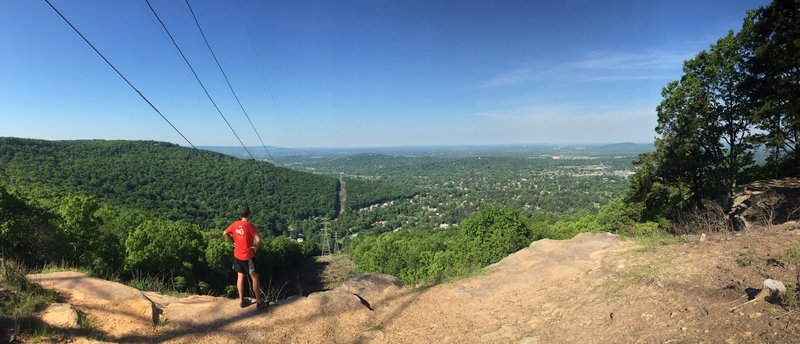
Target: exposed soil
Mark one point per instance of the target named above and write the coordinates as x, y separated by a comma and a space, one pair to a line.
594, 288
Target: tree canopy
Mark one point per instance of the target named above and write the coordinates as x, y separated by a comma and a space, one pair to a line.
178, 183
739, 96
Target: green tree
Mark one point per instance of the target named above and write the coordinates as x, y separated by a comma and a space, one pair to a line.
772, 38
720, 72
703, 129
165, 248
493, 233
80, 225
27, 233
89, 242
218, 257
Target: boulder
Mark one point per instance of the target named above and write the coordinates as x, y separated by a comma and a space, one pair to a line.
84, 291
363, 291
776, 201
774, 286
60, 315
370, 284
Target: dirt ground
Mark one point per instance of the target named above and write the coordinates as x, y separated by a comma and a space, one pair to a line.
594, 288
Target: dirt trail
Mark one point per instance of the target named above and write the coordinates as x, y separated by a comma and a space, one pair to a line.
593, 288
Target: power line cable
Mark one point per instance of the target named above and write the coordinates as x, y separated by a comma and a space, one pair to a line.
227, 80
198, 78
118, 72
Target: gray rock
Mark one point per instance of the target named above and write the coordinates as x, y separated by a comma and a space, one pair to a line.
775, 286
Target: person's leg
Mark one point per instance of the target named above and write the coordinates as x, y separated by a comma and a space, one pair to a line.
240, 286
256, 286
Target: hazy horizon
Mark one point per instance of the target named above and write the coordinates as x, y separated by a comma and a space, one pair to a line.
488, 145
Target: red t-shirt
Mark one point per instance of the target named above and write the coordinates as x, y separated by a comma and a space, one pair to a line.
243, 233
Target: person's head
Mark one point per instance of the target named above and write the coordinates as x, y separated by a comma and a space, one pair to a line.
245, 211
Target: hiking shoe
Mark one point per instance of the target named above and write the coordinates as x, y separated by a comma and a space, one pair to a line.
262, 305
244, 303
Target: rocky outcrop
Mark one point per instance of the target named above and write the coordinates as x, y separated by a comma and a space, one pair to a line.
143, 309
364, 290
766, 203
112, 305
60, 315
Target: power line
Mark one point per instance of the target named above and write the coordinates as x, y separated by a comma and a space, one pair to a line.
198, 78
228, 81
118, 72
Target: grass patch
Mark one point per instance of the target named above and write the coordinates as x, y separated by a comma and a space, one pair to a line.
43, 333
652, 240
789, 296
63, 266
635, 275
20, 299
146, 282
746, 258
84, 322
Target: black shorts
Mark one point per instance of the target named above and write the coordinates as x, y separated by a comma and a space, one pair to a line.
242, 266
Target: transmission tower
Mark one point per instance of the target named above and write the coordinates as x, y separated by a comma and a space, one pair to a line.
326, 243
335, 242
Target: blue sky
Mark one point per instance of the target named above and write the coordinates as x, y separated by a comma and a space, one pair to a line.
353, 73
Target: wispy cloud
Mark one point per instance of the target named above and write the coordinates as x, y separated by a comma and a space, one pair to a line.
628, 61
597, 66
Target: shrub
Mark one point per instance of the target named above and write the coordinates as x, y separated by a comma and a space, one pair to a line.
27, 232
19, 299
160, 247
492, 233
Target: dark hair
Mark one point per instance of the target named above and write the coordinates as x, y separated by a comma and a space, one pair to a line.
245, 211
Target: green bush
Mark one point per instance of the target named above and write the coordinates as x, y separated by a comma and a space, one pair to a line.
645, 229
27, 232
166, 248
88, 243
493, 233
279, 254
413, 257
218, 254
430, 257
20, 299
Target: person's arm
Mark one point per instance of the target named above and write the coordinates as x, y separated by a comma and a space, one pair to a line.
256, 241
227, 235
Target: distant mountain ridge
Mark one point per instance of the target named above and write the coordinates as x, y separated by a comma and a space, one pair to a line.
178, 183
629, 146
438, 150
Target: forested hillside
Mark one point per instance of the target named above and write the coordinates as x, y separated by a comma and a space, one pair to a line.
177, 183
150, 213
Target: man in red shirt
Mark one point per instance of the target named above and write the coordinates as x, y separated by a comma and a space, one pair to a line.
246, 241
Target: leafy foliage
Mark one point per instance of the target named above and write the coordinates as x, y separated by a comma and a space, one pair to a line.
483, 238
493, 233
27, 232
772, 38
178, 183
20, 300
87, 243
741, 92
165, 248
